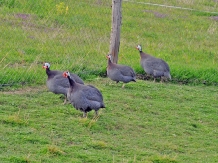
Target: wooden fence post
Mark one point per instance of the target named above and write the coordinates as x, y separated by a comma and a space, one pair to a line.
115, 31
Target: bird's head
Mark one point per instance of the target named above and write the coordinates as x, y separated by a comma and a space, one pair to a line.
139, 47
66, 74
109, 56
46, 65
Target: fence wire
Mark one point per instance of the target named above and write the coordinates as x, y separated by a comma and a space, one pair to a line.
75, 35
68, 35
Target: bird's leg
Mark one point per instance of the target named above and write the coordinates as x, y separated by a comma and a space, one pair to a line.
96, 113
161, 79
96, 116
154, 80
84, 115
123, 85
66, 100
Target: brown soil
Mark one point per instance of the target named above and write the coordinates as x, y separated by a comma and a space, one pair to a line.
25, 90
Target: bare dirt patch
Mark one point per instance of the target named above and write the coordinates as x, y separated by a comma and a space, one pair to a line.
23, 16
157, 14
214, 18
25, 90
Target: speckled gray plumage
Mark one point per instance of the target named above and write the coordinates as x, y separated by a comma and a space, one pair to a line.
84, 97
117, 72
57, 84
154, 66
53, 73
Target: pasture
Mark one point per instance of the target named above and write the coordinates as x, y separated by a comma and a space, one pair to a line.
75, 36
145, 122
148, 122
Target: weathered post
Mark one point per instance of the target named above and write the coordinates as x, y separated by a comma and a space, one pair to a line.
115, 31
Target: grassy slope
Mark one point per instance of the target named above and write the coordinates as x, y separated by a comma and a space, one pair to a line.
145, 122
185, 39
69, 41
79, 40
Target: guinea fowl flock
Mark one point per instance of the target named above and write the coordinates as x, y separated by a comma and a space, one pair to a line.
87, 97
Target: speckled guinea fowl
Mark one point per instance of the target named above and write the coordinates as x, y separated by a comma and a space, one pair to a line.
84, 97
117, 72
156, 67
56, 83
52, 73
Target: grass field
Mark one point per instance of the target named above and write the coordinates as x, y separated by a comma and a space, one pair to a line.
145, 122
75, 36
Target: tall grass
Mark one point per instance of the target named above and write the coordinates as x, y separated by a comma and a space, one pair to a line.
75, 36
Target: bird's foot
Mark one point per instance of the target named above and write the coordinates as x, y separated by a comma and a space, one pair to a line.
64, 102
95, 118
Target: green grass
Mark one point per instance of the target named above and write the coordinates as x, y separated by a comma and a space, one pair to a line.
77, 38
145, 122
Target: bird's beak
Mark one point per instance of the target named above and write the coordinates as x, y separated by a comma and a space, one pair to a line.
44, 67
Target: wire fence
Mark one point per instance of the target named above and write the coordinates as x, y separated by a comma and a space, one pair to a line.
75, 35
68, 35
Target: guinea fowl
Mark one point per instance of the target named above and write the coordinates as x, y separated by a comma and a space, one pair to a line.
52, 73
117, 72
56, 83
154, 66
84, 97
